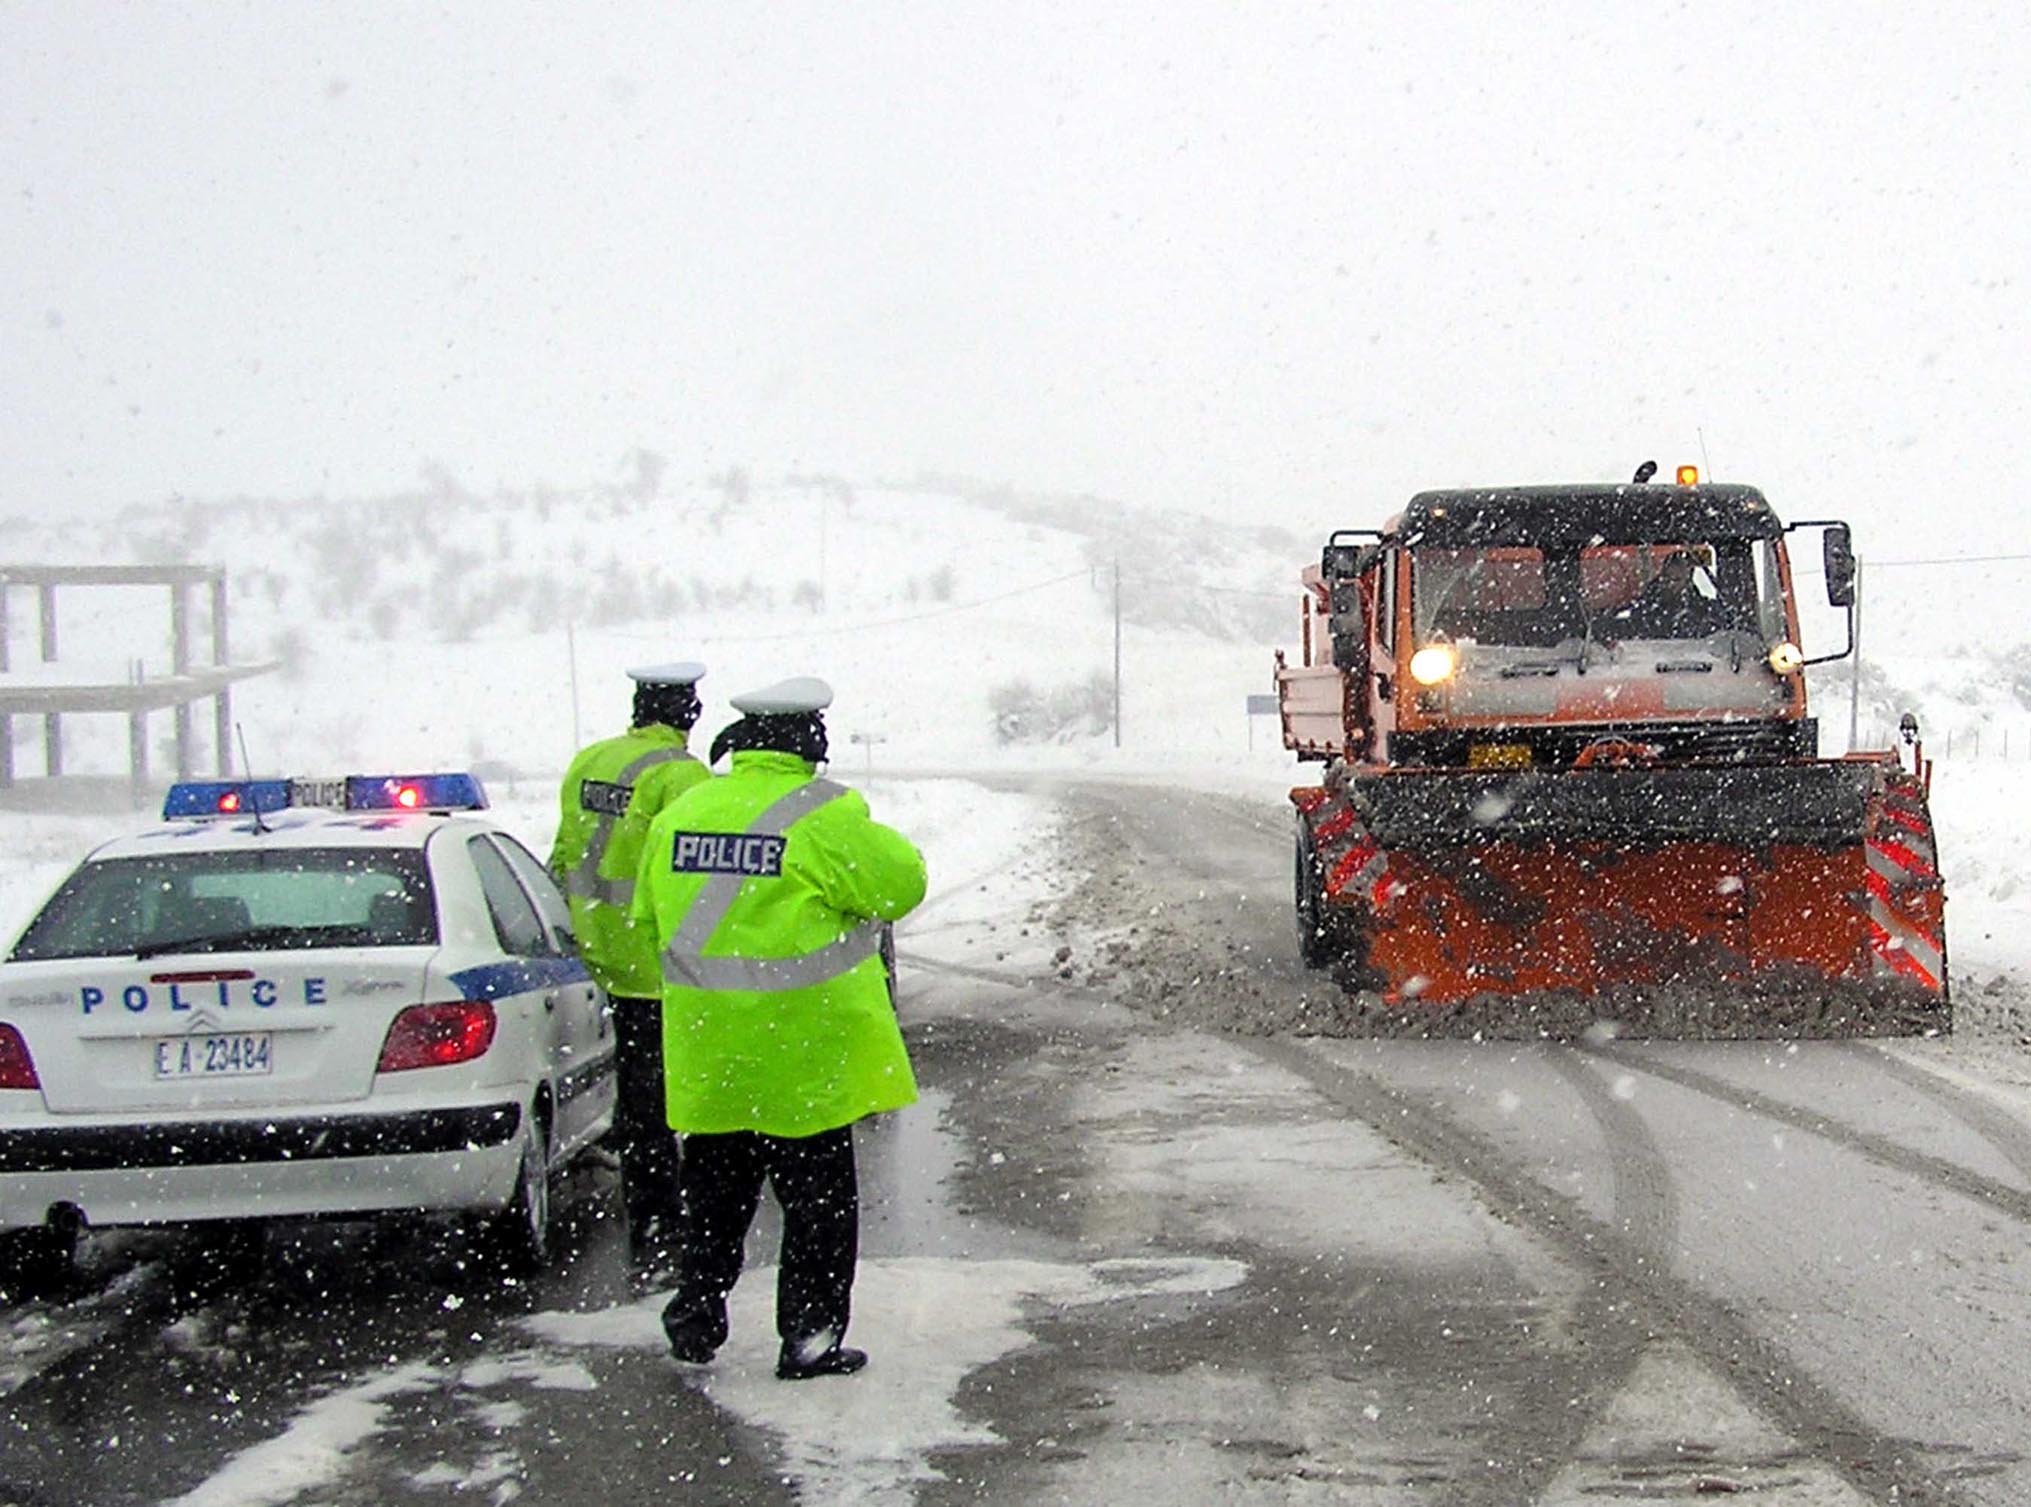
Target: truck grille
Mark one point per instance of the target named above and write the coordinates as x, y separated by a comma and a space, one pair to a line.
1746, 742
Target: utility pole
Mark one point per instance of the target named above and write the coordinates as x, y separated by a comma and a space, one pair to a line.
571, 652
1117, 651
1855, 684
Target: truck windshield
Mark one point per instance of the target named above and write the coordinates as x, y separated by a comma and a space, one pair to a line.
1524, 596
243, 901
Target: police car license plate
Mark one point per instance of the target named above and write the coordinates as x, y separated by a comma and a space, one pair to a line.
242, 1056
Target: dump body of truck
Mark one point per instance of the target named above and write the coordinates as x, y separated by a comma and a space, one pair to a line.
1568, 759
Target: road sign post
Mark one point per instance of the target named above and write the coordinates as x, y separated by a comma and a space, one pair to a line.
868, 741
1259, 706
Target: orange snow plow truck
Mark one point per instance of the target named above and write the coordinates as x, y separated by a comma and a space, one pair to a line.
1570, 777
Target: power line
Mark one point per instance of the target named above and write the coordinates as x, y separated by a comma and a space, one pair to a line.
1874, 564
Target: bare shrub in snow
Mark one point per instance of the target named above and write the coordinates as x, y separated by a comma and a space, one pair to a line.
1024, 714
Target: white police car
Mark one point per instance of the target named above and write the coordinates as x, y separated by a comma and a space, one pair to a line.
299, 998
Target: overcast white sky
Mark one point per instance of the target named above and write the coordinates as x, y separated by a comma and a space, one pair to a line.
1295, 260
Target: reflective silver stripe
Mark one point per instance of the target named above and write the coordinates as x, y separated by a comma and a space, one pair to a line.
606, 891
772, 975
1906, 939
584, 882
1371, 875
684, 961
720, 891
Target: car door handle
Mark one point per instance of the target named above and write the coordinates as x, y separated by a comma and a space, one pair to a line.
550, 1001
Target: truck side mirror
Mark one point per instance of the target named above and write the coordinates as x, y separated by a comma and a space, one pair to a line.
1340, 561
1349, 626
1840, 565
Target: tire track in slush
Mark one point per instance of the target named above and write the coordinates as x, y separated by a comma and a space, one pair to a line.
1643, 1197
1532, 1452
1611, 1335
1633, 1298
2008, 1137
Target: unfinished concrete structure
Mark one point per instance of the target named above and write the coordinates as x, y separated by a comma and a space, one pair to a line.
187, 684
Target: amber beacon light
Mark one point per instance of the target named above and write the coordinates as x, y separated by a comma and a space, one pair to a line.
1688, 476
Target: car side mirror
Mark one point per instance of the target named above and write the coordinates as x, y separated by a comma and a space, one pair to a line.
1839, 552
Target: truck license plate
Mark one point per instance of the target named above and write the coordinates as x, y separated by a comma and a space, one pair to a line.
242, 1056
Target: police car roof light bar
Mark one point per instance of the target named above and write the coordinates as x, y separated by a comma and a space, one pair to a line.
449, 791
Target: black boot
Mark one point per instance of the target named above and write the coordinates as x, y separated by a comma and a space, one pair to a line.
693, 1336
796, 1363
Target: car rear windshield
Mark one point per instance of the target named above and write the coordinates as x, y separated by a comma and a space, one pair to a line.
245, 901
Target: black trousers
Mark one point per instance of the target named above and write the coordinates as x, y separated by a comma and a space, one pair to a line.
642, 1134
814, 1179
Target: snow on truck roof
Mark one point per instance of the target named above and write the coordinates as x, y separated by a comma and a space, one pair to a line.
1585, 514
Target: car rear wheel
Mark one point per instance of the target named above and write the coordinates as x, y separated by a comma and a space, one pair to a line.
522, 1230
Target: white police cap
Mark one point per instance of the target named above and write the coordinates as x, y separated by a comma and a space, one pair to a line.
800, 693
677, 672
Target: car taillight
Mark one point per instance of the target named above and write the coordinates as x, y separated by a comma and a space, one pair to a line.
17, 1068
438, 1035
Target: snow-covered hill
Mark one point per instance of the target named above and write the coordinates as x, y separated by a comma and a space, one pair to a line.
448, 628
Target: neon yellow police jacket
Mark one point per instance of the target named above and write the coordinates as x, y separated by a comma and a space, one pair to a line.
766, 889
612, 791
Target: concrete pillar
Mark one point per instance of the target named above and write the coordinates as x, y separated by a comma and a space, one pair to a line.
45, 602
179, 627
222, 730
137, 750
220, 650
6, 749
52, 743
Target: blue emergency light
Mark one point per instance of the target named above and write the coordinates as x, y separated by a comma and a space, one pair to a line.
224, 798
452, 791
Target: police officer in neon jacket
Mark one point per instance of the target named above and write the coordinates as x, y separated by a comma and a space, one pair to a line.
612, 791
768, 889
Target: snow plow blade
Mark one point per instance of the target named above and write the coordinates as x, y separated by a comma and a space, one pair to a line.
1770, 900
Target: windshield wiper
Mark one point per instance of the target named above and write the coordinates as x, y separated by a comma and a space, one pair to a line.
225, 941
1586, 639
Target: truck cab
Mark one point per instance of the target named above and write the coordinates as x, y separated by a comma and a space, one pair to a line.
1523, 626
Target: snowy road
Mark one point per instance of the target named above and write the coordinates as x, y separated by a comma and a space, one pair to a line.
1145, 1234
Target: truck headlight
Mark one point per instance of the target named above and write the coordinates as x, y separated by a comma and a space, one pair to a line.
1786, 658
1434, 663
